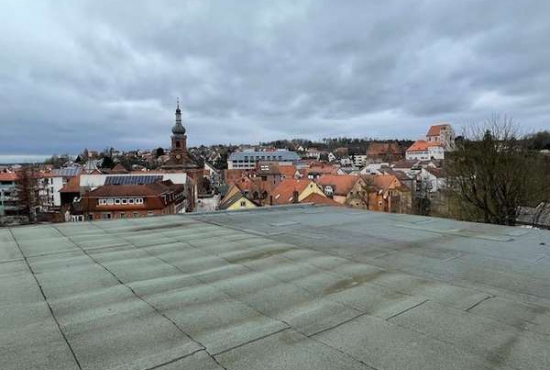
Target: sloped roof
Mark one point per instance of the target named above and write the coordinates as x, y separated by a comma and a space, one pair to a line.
420, 146
382, 149
321, 169
319, 199
385, 183
341, 184
119, 168
155, 189
227, 202
402, 176
8, 176
437, 172
66, 172
267, 168
404, 164
284, 191
435, 130
287, 171
72, 186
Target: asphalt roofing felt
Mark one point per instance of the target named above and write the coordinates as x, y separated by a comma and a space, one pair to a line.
281, 288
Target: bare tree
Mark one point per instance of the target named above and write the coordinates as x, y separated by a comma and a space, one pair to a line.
28, 190
492, 173
367, 188
421, 198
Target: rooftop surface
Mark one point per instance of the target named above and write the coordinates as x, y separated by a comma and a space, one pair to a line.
282, 288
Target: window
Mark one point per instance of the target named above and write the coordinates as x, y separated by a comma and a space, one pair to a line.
131, 201
110, 201
122, 215
124, 201
135, 214
149, 213
117, 201
243, 203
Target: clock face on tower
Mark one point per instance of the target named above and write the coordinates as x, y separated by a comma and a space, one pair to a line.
178, 156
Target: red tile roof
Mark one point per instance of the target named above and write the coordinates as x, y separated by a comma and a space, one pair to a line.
287, 171
152, 193
320, 199
341, 184
435, 130
421, 146
385, 182
155, 189
380, 149
72, 186
283, 193
8, 176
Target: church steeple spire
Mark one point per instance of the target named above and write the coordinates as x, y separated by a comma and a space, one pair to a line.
178, 128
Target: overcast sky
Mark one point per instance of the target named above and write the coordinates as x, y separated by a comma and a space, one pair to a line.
79, 73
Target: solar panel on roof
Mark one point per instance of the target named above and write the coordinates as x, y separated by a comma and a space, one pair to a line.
66, 172
132, 180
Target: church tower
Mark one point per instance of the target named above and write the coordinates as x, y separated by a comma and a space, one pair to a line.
178, 152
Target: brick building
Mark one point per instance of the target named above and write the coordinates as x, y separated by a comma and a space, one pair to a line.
131, 201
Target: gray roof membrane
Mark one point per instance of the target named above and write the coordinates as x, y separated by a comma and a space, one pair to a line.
298, 287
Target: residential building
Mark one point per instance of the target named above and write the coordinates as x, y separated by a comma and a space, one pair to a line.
387, 194
289, 171
293, 191
237, 199
439, 139
232, 176
384, 151
346, 162
269, 173
9, 205
443, 135
341, 188
132, 201
374, 168
313, 153
359, 160
320, 200
317, 170
423, 150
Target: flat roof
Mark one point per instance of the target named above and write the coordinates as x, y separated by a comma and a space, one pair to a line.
277, 288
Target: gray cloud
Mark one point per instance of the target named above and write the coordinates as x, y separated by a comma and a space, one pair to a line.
100, 73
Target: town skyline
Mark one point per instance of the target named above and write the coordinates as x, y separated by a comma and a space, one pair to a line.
86, 75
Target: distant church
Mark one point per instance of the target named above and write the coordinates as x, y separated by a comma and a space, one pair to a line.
179, 157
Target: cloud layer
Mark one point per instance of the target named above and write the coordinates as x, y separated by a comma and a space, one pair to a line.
94, 73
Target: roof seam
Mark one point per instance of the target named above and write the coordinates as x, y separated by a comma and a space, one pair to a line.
46, 301
288, 326
130, 288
